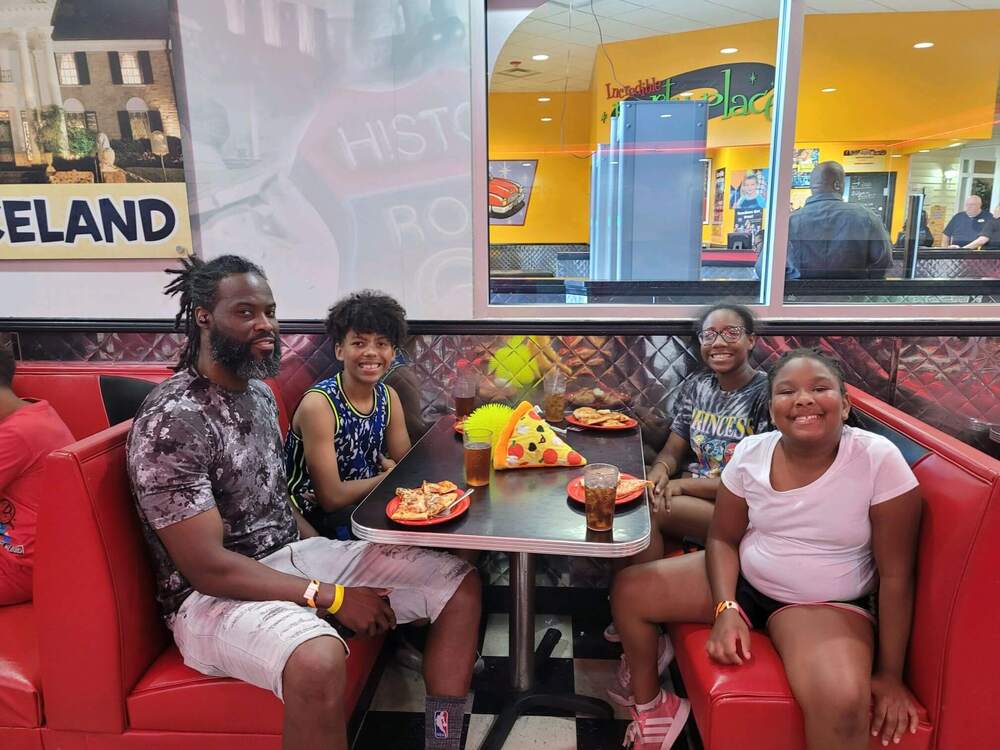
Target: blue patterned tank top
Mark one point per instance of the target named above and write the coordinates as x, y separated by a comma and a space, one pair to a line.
357, 439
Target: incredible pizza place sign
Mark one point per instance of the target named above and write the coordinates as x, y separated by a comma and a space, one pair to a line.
94, 221
735, 90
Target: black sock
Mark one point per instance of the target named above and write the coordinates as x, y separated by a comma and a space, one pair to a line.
443, 719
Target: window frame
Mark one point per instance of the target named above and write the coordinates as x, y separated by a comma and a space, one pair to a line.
788, 60
61, 67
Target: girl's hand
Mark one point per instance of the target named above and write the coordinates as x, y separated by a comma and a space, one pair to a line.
729, 642
894, 708
385, 463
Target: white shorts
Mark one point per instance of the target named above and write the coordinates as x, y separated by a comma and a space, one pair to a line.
252, 641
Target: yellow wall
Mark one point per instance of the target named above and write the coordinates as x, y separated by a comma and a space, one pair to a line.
559, 208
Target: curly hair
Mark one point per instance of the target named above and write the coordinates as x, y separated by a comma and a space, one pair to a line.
814, 353
197, 283
367, 311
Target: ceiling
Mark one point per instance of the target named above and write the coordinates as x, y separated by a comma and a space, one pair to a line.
570, 31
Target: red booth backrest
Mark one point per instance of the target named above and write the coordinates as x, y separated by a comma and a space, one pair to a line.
94, 601
953, 659
74, 389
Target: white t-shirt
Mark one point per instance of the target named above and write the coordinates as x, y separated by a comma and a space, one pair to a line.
813, 544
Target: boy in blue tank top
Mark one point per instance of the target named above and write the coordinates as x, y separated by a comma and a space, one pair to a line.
349, 430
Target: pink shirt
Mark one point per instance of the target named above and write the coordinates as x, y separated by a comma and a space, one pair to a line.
26, 437
813, 544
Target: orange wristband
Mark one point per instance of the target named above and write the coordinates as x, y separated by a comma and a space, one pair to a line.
723, 606
310, 593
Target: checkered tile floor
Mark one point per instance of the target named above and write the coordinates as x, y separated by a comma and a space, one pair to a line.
582, 662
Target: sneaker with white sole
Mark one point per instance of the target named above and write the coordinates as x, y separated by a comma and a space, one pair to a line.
621, 693
659, 727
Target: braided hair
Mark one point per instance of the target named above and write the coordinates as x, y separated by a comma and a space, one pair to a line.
197, 283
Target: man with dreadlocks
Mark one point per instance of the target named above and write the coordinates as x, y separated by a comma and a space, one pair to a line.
245, 584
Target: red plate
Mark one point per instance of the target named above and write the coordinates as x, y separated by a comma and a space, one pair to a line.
455, 513
575, 490
627, 426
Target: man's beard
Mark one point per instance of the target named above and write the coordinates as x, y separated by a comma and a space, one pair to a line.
237, 356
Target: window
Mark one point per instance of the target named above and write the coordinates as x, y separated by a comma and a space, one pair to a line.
628, 153
904, 123
131, 73
68, 74
6, 75
138, 118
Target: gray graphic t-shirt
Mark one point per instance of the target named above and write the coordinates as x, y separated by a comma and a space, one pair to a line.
713, 421
195, 446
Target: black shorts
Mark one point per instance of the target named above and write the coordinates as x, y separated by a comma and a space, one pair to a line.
759, 607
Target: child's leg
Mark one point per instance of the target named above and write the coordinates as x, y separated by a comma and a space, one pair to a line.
682, 594
827, 654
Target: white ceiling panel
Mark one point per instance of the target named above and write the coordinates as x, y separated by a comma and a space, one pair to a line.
568, 31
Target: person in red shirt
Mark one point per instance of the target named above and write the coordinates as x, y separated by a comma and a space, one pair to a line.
29, 431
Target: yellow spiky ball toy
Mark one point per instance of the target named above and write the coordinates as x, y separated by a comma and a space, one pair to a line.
492, 417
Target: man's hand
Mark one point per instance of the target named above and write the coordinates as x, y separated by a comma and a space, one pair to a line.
366, 611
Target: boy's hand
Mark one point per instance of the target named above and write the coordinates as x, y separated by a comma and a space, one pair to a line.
385, 463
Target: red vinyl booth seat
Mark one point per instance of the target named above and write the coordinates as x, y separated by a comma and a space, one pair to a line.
953, 655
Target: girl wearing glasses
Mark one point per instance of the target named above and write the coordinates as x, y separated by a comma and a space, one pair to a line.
714, 411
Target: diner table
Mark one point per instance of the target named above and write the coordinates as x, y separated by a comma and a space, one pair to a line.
523, 512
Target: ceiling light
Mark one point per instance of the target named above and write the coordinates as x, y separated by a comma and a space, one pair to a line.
705, 160
925, 151
729, 50
954, 145
686, 93
546, 119
923, 45
540, 58
895, 156
664, 117
828, 90
525, 163
545, 98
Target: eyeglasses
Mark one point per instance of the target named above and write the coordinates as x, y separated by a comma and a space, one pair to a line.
730, 334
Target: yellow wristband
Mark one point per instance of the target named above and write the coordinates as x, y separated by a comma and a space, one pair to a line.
338, 599
661, 461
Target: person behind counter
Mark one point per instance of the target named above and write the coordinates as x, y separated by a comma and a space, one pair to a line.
989, 236
967, 226
926, 236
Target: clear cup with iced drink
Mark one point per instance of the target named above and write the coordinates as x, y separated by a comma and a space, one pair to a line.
600, 486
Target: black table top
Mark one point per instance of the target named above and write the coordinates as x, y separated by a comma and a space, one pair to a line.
522, 510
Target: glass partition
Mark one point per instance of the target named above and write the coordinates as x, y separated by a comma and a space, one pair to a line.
896, 157
629, 151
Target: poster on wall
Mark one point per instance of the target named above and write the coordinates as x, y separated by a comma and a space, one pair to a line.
803, 161
90, 147
510, 191
719, 197
747, 198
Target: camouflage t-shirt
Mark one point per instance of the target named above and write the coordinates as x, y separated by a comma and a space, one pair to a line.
195, 446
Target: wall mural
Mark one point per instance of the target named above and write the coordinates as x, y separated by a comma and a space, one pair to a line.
90, 147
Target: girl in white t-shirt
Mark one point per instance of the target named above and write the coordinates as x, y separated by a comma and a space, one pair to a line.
812, 523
